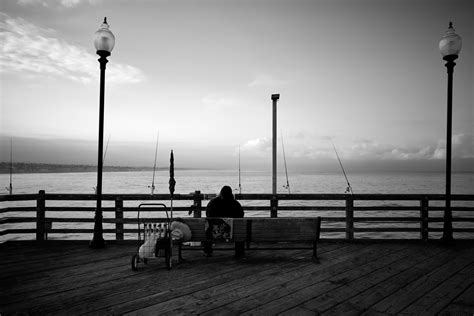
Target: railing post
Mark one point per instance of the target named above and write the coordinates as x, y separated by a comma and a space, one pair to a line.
119, 218
424, 218
350, 217
40, 215
197, 206
274, 206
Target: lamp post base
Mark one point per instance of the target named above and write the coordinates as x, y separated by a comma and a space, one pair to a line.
448, 242
97, 243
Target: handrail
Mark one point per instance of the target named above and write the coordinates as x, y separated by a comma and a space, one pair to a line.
245, 196
363, 213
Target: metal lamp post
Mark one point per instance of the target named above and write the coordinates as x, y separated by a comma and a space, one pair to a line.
274, 202
104, 43
449, 46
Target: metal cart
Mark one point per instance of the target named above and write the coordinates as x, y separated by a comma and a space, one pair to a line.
157, 242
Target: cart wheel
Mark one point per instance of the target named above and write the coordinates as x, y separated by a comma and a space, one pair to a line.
168, 258
135, 260
168, 262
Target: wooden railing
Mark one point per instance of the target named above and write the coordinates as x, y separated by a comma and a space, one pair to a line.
378, 216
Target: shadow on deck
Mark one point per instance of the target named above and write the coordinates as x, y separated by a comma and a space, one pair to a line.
352, 278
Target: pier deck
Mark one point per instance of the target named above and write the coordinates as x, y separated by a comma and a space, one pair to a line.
373, 278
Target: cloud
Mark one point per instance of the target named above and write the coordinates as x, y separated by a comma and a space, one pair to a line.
263, 80
462, 148
304, 145
258, 147
27, 48
57, 3
312, 152
369, 149
216, 101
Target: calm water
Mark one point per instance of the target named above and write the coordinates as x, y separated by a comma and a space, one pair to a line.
210, 181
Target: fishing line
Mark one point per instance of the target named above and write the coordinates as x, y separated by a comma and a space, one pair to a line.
103, 160
154, 165
105, 152
240, 184
349, 188
287, 185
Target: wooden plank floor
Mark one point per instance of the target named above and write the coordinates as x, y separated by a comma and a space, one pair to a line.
371, 278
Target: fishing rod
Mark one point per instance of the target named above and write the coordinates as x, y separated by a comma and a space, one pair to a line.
240, 184
349, 188
287, 185
10, 188
152, 186
103, 160
105, 152
172, 182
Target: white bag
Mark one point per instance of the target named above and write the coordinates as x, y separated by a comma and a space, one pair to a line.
148, 248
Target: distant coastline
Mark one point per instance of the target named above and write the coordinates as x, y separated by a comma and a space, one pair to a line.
29, 167
20, 167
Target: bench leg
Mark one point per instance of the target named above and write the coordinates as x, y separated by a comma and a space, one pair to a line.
180, 254
248, 239
47, 227
315, 252
239, 249
315, 242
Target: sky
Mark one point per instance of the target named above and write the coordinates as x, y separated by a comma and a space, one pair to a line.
364, 75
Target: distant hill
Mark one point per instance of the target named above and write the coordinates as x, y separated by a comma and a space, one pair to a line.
20, 167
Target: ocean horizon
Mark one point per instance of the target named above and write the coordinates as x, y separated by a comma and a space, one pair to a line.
211, 180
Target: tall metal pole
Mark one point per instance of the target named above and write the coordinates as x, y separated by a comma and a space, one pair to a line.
98, 239
448, 218
275, 98
10, 188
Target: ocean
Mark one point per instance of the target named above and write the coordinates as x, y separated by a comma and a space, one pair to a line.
210, 182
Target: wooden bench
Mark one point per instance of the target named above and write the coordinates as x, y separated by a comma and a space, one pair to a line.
248, 230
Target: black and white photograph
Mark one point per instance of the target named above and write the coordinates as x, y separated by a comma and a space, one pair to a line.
237, 157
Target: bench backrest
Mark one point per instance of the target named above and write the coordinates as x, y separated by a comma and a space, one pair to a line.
264, 229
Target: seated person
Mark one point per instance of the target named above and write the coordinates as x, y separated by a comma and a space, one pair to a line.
224, 205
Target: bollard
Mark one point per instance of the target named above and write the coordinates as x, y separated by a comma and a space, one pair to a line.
197, 206
119, 218
40, 215
350, 218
